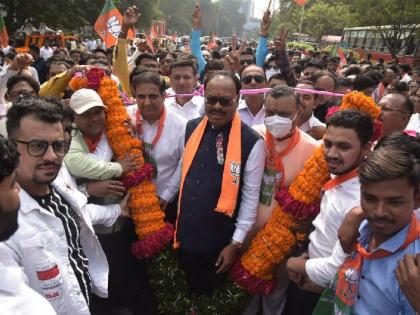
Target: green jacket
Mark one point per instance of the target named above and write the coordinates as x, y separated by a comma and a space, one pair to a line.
81, 164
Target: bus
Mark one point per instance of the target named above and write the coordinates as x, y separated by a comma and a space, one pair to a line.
367, 40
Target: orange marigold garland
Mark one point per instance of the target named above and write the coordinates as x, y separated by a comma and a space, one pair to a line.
153, 233
254, 270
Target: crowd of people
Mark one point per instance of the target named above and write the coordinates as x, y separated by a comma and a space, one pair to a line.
226, 127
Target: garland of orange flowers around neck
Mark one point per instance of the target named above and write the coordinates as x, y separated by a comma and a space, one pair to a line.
254, 271
154, 234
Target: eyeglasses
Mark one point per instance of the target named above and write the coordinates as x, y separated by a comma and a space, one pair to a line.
71, 131
224, 102
274, 67
247, 62
257, 78
37, 148
388, 109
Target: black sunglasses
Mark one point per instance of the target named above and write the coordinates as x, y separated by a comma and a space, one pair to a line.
257, 78
224, 102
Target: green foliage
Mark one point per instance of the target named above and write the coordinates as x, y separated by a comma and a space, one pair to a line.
323, 18
168, 282
300, 45
68, 15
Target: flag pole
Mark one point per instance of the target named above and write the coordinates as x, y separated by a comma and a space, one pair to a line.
301, 22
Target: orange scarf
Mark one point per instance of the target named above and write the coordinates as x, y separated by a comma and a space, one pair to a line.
231, 172
92, 143
347, 286
340, 179
160, 128
277, 157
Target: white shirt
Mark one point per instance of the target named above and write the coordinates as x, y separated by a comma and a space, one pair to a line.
335, 204
311, 123
16, 298
167, 152
414, 123
46, 52
194, 108
406, 78
247, 117
253, 172
40, 246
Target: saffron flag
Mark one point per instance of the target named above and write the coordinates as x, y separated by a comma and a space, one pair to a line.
108, 24
4, 38
340, 53
301, 2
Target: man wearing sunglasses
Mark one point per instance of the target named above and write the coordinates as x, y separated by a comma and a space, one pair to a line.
221, 176
251, 107
55, 243
396, 111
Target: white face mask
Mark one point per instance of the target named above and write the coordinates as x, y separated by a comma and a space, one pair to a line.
270, 73
278, 126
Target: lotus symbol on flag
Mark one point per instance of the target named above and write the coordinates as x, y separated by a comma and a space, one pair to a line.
114, 26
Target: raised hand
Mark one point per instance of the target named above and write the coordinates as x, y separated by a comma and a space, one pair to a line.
196, 17
265, 23
281, 39
130, 18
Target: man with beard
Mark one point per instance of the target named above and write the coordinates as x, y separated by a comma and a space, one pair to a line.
346, 143
15, 296
55, 244
221, 175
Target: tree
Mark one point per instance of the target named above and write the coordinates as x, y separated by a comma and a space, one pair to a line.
394, 20
68, 15
323, 18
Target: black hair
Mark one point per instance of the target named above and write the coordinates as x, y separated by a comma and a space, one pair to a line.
278, 76
375, 75
42, 109
297, 68
11, 55
214, 65
76, 51
396, 156
57, 61
215, 55
361, 123
23, 78
34, 48
405, 68
183, 62
346, 82
144, 56
313, 64
137, 71
283, 91
9, 158
99, 50
225, 74
353, 70
149, 77
362, 82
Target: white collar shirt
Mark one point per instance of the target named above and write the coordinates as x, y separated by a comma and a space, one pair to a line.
192, 109
414, 123
16, 297
311, 123
167, 152
247, 117
40, 247
335, 204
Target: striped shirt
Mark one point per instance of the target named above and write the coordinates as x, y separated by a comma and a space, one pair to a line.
55, 204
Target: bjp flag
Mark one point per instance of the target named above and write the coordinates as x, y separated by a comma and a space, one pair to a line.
4, 37
340, 54
108, 24
301, 2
